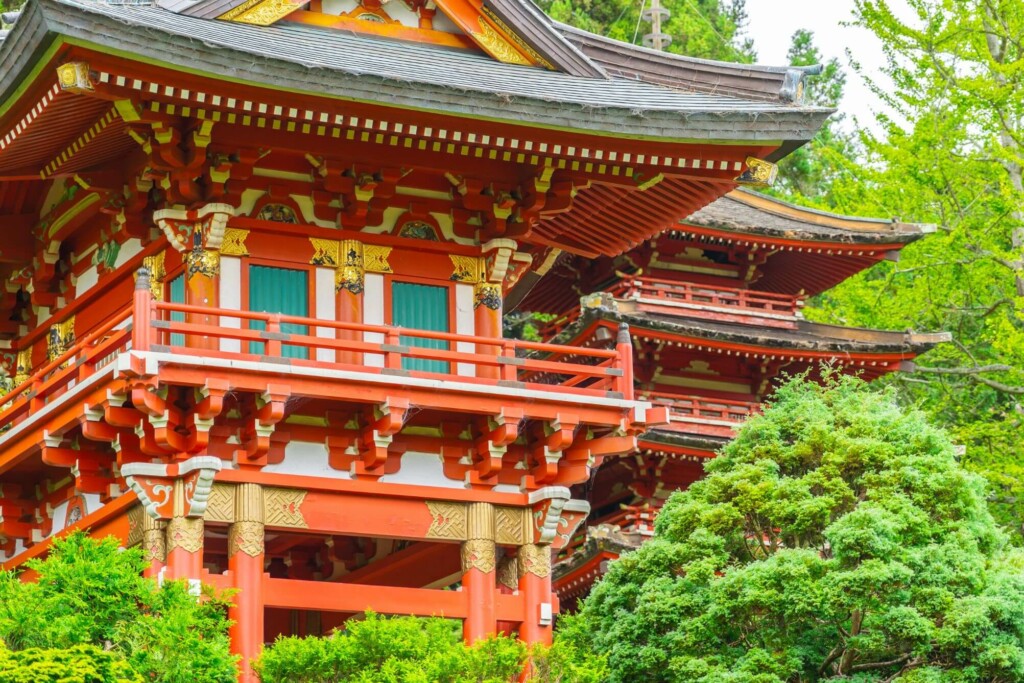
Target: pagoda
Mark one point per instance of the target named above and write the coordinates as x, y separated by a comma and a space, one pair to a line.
255, 257
714, 311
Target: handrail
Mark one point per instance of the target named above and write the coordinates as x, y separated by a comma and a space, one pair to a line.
493, 360
686, 408
706, 295
88, 352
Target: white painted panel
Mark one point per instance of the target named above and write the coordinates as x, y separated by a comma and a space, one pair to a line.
86, 281
326, 309
465, 323
373, 314
92, 502
129, 250
231, 298
60, 514
308, 459
422, 469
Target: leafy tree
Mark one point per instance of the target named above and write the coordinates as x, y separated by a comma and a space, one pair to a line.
951, 154
808, 172
77, 664
699, 28
90, 593
414, 650
836, 538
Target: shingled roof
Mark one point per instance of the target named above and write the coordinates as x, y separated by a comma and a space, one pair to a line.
754, 214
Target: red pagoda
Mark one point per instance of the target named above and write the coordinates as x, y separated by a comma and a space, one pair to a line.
713, 308
254, 261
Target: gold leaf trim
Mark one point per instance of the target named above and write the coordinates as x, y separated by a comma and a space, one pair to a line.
283, 508
535, 559
185, 533
478, 553
496, 45
375, 259
260, 12
234, 242
246, 537
221, 505
447, 520
325, 252
522, 44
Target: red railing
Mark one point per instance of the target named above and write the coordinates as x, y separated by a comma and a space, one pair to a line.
89, 354
688, 412
393, 350
728, 303
686, 293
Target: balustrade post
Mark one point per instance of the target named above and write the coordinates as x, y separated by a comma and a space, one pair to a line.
272, 346
392, 356
142, 330
509, 371
624, 347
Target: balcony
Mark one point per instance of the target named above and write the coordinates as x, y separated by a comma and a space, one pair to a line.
364, 383
727, 304
702, 415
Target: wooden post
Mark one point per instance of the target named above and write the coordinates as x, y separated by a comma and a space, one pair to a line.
202, 271
245, 562
141, 309
624, 347
535, 587
184, 540
478, 574
154, 545
487, 311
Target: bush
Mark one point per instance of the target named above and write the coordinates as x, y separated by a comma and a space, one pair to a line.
77, 664
836, 538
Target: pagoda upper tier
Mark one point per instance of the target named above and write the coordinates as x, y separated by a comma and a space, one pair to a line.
743, 240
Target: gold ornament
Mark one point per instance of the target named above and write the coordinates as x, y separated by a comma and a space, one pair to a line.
246, 537
467, 268
497, 46
157, 272
350, 272
447, 520
154, 539
201, 261
23, 369
508, 572
511, 525
759, 173
535, 559
489, 295
185, 533
283, 508
234, 242
221, 505
260, 12
135, 515
478, 553
520, 43
61, 338
375, 259
74, 77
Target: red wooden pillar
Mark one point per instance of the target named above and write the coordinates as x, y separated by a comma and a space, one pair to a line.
350, 310
535, 587
478, 574
154, 545
184, 540
202, 268
487, 312
245, 563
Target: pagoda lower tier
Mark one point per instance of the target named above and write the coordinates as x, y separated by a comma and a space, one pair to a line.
709, 356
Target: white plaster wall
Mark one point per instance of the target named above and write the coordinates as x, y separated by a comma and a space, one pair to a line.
308, 459
326, 309
230, 298
373, 314
465, 323
421, 469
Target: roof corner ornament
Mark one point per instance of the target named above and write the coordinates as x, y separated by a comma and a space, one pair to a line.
74, 77
759, 173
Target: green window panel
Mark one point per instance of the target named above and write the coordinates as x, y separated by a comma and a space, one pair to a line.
176, 294
279, 290
421, 307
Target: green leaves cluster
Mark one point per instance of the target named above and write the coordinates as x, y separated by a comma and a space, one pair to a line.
89, 596
951, 153
711, 29
836, 537
413, 650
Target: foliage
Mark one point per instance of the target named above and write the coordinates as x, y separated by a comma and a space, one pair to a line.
951, 155
835, 538
91, 593
414, 650
703, 28
809, 171
77, 664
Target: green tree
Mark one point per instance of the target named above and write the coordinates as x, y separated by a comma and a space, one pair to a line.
91, 592
836, 538
414, 650
949, 153
711, 29
77, 664
808, 172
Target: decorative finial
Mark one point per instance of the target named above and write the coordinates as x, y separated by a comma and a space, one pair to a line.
142, 278
623, 336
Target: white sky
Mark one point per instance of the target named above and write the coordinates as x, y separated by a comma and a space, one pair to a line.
773, 22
